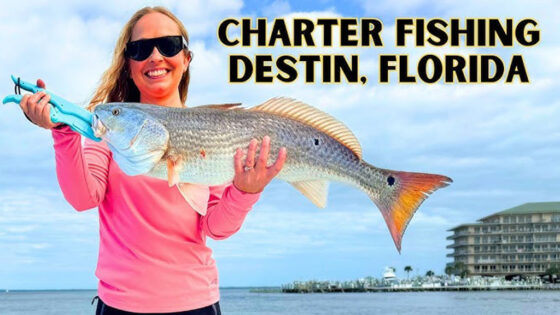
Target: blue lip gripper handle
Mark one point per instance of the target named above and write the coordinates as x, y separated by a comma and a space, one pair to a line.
63, 111
14, 98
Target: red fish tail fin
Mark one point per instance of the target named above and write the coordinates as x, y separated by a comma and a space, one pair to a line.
404, 193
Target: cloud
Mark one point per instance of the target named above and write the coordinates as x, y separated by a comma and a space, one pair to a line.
20, 229
449, 8
498, 142
277, 8
273, 230
400, 8
201, 18
41, 232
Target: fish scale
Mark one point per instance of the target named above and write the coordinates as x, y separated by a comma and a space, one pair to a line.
320, 162
196, 145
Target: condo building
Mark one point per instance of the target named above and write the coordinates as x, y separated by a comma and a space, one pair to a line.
524, 240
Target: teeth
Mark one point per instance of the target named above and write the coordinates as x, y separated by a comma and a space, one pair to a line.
99, 129
157, 73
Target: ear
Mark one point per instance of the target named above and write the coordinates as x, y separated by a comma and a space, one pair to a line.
187, 60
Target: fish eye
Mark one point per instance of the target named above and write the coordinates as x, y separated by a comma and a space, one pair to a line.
116, 111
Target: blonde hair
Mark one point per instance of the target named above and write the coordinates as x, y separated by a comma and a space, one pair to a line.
115, 84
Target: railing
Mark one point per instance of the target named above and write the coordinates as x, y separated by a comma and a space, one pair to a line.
517, 261
527, 231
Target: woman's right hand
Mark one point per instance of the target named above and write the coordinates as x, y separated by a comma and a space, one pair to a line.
36, 107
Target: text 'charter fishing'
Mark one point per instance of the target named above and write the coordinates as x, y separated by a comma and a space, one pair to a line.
366, 33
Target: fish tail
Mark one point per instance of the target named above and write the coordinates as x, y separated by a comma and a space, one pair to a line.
400, 196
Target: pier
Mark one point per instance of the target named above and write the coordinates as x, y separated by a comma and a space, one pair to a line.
423, 289
419, 284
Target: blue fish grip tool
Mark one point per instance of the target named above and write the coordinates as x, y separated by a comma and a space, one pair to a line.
62, 111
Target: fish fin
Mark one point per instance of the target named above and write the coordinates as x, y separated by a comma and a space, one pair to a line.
404, 193
173, 177
220, 106
314, 190
293, 109
189, 190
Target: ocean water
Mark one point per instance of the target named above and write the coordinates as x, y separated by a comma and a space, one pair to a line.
241, 301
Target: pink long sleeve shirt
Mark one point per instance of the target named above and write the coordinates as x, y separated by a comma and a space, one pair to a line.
152, 252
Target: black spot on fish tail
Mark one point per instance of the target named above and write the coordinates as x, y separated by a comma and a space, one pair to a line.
390, 180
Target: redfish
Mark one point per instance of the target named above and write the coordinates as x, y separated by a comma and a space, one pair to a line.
196, 145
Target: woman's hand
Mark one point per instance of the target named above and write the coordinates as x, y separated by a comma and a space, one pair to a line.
37, 109
251, 176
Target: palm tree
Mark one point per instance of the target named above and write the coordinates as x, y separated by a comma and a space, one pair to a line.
407, 269
429, 273
449, 270
461, 270
553, 271
459, 266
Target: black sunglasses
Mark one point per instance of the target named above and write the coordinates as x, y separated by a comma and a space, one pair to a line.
168, 46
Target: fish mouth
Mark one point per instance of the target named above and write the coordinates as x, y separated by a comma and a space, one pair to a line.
99, 130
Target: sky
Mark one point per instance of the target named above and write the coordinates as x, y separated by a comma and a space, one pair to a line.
499, 142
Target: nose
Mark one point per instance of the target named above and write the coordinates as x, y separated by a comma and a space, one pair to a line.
155, 55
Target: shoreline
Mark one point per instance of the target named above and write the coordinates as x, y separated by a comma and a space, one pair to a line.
426, 289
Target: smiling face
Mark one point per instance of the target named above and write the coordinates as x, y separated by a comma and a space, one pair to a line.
158, 77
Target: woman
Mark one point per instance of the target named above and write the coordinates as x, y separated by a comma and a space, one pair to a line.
153, 256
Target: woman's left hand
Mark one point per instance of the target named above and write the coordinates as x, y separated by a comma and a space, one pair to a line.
251, 176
